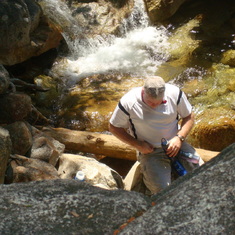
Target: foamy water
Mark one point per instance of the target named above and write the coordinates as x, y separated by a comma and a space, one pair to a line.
139, 51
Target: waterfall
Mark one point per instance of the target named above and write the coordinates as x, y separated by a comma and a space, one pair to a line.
139, 50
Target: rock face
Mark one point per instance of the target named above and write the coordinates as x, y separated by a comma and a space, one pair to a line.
66, 207
201, 202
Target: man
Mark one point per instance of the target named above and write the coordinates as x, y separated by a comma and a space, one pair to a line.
147, 114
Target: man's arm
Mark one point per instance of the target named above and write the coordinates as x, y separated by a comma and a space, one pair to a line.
186, 127
121, 134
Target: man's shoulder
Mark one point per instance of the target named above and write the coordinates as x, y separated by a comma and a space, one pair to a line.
172, 91
131, 97
172, 87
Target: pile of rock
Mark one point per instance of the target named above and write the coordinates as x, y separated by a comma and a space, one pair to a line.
27, 154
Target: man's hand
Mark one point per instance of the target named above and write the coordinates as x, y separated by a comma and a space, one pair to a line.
144, 147
174, 146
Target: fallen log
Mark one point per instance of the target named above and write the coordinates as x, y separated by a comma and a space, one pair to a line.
91, 142
102, 144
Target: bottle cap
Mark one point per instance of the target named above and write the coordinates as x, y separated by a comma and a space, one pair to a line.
80, 176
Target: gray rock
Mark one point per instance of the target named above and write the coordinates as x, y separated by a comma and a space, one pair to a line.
65, 207
202, 202
46, 149
96, 173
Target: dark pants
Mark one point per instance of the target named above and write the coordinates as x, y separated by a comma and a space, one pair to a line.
156, 167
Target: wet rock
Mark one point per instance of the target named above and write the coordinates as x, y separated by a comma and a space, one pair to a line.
4, 80
66, 207
201, 202
14, 107
100, 17
160, 10
5, 151
21, 137
228, 58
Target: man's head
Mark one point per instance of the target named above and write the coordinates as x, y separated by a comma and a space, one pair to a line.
154, 87
153, 91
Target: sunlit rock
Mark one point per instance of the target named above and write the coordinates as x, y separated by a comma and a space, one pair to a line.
100, 17
46, 149
96, 174
228, 58
214, 130
160, 10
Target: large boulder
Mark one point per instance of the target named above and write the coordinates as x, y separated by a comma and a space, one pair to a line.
201, 202
26, 31
66, 207
96, 173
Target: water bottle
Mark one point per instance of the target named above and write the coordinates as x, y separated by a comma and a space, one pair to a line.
80, 176
189, 156
178, 166
175, 163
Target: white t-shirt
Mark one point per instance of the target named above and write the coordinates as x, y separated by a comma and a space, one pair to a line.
151, 124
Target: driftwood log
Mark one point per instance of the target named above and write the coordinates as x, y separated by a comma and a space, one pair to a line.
102, 144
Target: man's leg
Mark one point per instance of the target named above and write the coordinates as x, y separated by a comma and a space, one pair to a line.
156, 169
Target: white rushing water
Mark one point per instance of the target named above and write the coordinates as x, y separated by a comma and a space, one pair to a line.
139, 51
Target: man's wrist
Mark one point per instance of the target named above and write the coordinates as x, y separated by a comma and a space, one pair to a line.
182, 138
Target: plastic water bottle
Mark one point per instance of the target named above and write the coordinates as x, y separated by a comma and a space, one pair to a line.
178, 167
80, 176
175, 163
189, 157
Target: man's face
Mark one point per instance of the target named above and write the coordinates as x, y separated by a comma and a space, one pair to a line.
151, 102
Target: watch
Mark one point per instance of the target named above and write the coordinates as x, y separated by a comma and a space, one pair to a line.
181, 137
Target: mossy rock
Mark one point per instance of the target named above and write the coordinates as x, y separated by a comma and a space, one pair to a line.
228, 58
215, 129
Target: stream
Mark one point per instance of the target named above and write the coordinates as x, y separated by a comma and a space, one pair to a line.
98, 70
